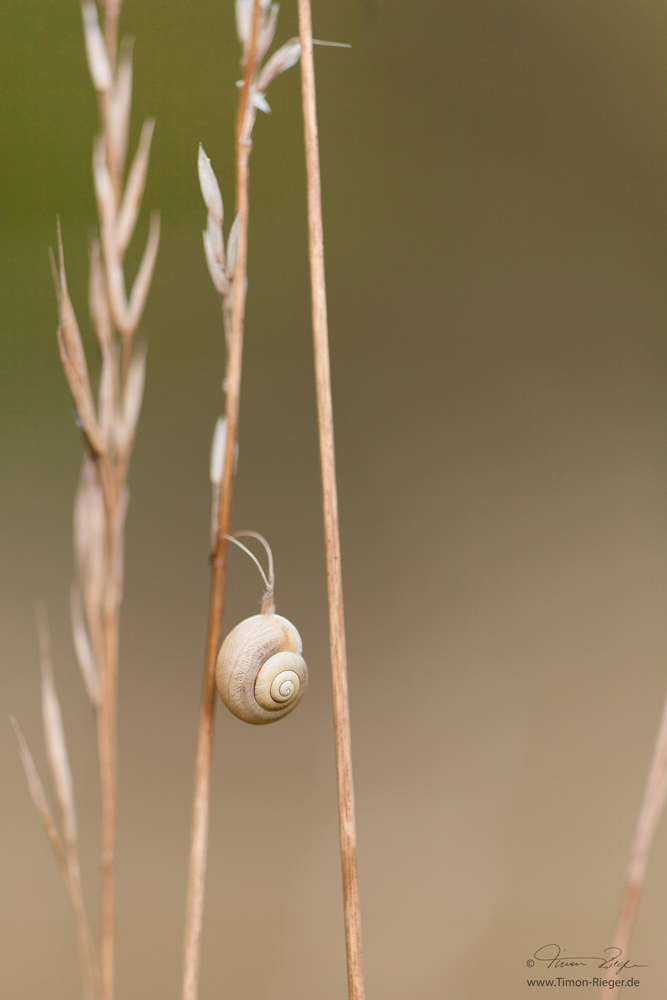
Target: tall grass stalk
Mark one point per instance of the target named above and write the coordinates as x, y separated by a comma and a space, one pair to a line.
256, 22
348, 832
108, 428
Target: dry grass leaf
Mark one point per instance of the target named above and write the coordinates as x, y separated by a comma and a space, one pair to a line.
54, 735
215, 268
68, 321
214, 230
106, 203
144, 276
243, 10
96, 50
116, 284
39, 799
84, 404
115, 281
97, 299
259, 101
74, 362
210, 188
107, 396
68, 869
132, 397
286, 56
267, 31
83, 648
214, 246
90, 547
104, 191
101, 320
134, 190
119, 108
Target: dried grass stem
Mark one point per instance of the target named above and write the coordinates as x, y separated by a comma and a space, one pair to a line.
199, 842
108, 424
348, 837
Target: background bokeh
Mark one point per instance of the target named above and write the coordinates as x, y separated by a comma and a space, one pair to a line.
494, 178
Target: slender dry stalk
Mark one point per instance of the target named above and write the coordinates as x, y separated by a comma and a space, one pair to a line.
65, 850
61, 778
103, 487
108, 431
256, 23
100, 545
90, 975
650, 811
348, 833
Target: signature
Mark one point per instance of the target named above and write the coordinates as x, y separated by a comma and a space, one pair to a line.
610, 959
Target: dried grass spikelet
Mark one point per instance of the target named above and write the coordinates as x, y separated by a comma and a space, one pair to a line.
101, 499
65, 850
286, 57
54, 736
100, 314
142, 282
73, 357
96, 50
39, 799
214, 244
134, 189
117, 229
233, 247
83, 648
222, 266
132, 398
118, 122
90, 544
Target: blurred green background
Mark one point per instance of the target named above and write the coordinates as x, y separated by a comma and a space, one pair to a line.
494, 208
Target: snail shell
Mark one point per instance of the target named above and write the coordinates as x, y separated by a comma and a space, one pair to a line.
260, 673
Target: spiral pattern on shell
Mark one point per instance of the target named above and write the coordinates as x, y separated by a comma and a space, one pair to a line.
260, 673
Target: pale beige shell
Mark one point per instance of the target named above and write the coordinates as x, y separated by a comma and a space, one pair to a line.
260, 673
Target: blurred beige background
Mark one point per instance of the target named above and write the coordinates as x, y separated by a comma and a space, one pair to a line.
494, 178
